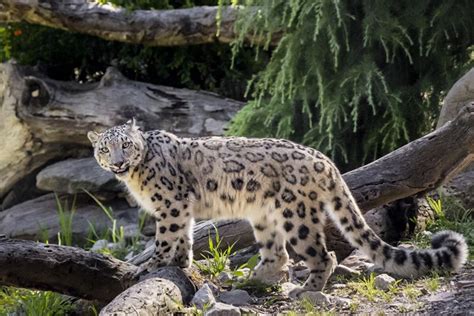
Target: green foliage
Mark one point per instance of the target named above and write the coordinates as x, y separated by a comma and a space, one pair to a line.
115, 233
15, 301
72, 56
65, 216
355, 79
216, 257
451, 215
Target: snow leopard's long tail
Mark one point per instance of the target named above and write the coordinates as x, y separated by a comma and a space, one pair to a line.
449, 249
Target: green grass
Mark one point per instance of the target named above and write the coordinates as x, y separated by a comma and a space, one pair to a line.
216, 258
14, 301
115, 233
450, 214
65, 216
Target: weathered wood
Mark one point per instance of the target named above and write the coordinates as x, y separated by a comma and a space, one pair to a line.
92, 276
66, 270
419, 166
43, 119
190, 26
234, 232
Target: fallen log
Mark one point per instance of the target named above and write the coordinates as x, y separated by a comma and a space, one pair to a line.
76, 272
68, 270
191, 26
44, 119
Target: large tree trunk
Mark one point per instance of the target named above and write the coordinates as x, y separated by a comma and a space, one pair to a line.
196, 25
44, 119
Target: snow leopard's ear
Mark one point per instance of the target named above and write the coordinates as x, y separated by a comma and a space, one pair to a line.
132, 125
93, 137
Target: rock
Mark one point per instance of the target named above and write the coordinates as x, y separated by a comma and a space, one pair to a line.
383, 282
22, 191
38, 219
356, 261
316, 298
235, 297
221, 309
99, 245
75, 175
462, 187
287, 287
341, 301
224, 277
203, 297
342, 270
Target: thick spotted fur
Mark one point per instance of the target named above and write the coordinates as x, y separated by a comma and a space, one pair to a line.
284, 189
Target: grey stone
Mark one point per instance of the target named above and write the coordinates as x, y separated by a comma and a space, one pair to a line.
287, 287
342, 270
462, 187
221, 309
224, 277
75, 175
99, 245
356, 261
38, 219
316, 298
383, 281
341, 301
203, 297
235, 297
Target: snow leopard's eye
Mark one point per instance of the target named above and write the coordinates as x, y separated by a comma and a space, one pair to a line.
125, 145
103, 150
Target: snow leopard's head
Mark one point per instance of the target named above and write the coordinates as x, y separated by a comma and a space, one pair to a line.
119, 148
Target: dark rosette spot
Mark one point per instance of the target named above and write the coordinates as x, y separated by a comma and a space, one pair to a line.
211, 185
254, 157
319, 167
231, 166
279, 157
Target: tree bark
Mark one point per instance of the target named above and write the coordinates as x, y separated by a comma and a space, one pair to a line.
176, 27
66, 270
76, 272
419, 166
44, 119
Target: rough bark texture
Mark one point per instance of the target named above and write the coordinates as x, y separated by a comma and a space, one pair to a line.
232, 232
67, 270
92, 276
43, 119
196, 25
417, 167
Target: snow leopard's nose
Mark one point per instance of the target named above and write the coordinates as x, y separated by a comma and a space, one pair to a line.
118, 164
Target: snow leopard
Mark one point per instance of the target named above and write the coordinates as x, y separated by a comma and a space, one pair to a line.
287, 192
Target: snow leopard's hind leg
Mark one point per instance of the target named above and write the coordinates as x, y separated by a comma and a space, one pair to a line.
273, 255
303, 225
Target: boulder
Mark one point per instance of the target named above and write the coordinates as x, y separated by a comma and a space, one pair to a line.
235, 297
462, 187
38, 219
221, 309
75, 175
383, 282
203, 297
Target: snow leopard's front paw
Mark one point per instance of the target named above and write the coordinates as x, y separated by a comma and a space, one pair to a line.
149, 266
